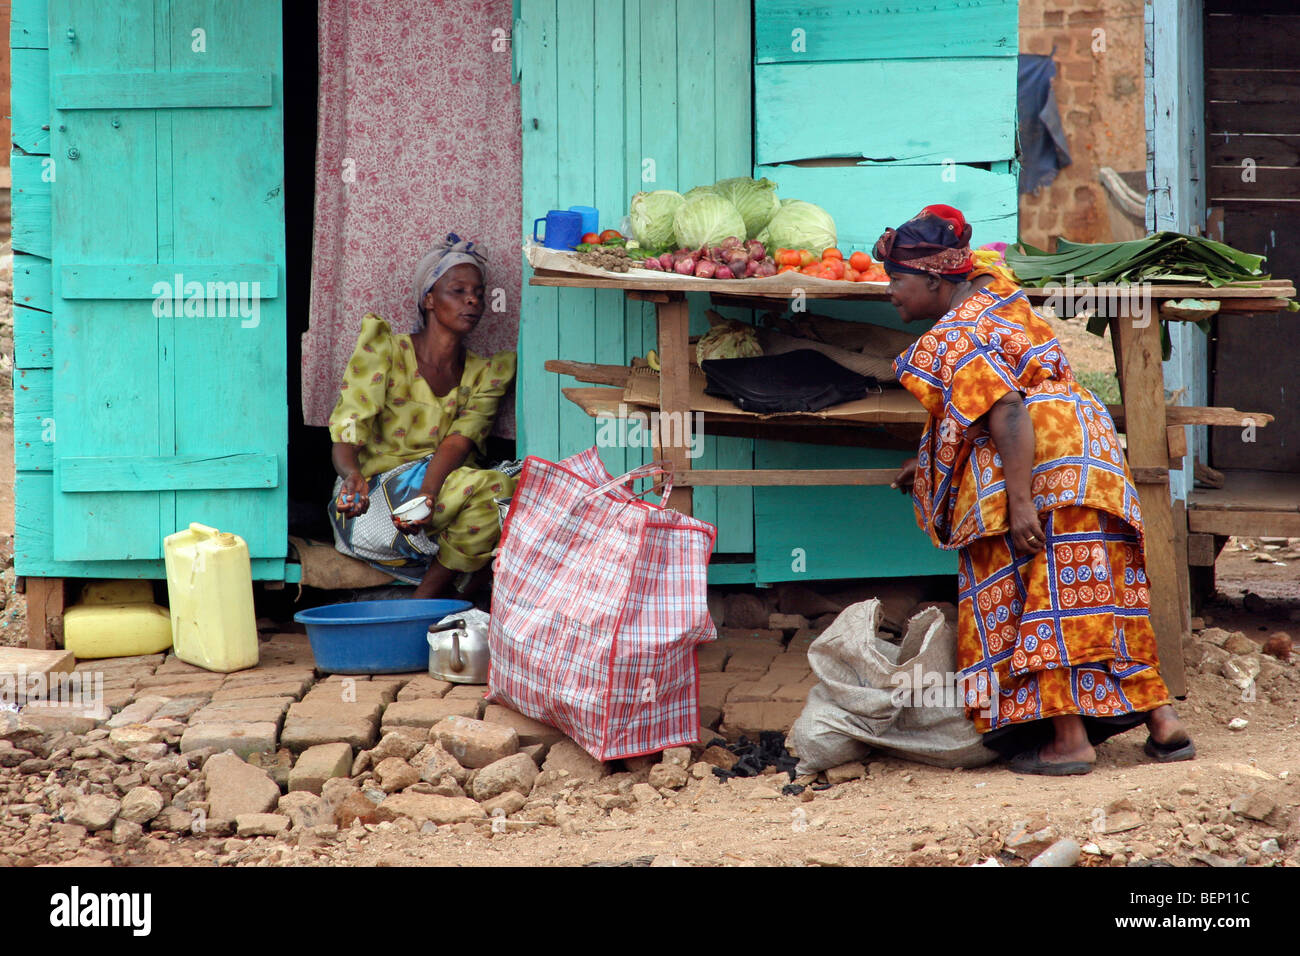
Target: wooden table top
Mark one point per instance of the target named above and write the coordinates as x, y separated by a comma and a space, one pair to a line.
780, 287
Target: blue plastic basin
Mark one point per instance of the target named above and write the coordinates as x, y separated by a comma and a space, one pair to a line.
374, 637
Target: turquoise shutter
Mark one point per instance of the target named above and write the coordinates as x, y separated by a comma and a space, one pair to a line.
167, 138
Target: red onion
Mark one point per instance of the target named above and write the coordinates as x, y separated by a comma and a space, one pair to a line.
724, 273
755, 250
733, 242
685, 266
751, 269
705, 268
653, 264
666, 261
765, 268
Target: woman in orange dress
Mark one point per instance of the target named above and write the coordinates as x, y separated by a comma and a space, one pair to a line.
1020, 470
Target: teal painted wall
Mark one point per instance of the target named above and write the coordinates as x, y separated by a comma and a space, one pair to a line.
617, 97
128, 425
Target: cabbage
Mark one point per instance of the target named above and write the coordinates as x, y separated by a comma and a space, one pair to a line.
728, 340
799, 225
705, 220
699, 191
652, 218
754, 198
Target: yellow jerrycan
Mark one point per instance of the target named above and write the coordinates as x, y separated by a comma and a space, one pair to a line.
116, 619
210, 587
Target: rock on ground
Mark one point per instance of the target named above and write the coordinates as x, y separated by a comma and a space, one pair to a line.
235, 788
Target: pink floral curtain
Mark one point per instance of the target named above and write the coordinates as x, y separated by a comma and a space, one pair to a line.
418, 135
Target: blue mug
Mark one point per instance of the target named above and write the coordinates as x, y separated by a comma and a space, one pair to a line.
563, 229
590, 218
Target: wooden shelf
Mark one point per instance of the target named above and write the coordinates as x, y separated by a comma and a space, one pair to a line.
1250, 503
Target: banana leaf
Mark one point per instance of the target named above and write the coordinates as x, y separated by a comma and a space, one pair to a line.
1165, 258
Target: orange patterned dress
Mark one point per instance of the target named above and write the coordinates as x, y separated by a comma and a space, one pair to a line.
1066, 631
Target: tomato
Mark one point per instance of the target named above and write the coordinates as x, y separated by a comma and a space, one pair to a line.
609, 234
811, 270
835, 266
806, 258
860, 261
591, 237
832, 254
787, 269
851, 274
789, 257
825, 273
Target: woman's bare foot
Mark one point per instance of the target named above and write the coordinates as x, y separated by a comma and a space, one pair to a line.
1165, 727
1071, 744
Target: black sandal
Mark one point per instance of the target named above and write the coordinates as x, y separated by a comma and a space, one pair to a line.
1031, 761
1169, 753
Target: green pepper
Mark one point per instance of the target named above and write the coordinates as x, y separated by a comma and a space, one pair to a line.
615, 242
583, 247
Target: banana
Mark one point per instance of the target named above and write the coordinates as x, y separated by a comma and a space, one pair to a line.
652, 359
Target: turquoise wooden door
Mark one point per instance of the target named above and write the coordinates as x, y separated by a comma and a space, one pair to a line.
169, 394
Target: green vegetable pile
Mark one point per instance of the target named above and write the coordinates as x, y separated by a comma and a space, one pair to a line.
1167, 258
664, 220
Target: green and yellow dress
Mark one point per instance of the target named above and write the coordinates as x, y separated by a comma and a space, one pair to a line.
393, 414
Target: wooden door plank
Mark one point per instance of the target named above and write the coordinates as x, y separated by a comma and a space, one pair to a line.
30, 196
577, 154
34, 431
927, 127
796, 31
237, 216
106, 391
33, 338
29, 25
538, 408
177, 89
33, 282
30, 99
173, 473
186, 284
1138, 338
611, 192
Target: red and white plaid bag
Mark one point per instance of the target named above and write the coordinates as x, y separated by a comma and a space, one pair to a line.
598, 605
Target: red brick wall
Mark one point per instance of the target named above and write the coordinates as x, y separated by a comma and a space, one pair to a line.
1100, 95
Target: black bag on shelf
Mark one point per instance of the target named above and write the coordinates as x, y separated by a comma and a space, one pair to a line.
800, 381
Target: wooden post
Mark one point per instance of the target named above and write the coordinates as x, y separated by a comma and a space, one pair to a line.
1136, 334
44, 613
675, 391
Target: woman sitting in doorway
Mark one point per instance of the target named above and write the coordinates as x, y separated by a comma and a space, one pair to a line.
413, 414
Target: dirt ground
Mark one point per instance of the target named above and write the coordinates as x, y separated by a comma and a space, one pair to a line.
900, 813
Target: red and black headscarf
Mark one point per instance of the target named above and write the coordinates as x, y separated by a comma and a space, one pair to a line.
935, 242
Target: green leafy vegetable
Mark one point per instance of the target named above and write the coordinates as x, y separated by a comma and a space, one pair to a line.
799, 225
754, 198
652, 217
705, 220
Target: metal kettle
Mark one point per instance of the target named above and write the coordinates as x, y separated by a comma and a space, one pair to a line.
458, 651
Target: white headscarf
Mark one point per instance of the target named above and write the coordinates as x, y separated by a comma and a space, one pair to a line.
452, 251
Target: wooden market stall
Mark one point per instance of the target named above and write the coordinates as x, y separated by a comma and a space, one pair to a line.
623, 97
